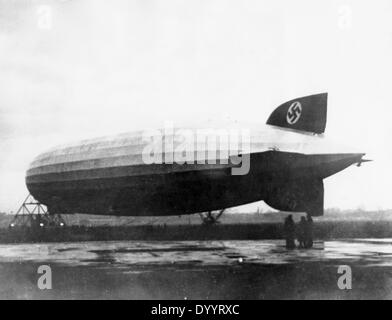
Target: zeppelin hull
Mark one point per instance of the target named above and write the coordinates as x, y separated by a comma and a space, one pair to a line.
172, 189
152, 194
283, 164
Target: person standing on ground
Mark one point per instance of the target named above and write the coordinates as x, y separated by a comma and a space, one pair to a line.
301, 232
309, 232
289, 232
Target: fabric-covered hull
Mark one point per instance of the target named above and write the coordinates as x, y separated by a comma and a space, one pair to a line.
171, 189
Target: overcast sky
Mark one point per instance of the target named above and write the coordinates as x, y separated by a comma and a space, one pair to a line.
83, 68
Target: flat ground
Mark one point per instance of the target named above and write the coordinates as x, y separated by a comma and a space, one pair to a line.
261, 269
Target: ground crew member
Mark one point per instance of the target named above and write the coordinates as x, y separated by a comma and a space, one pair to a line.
289, 232
309, 232
301, 232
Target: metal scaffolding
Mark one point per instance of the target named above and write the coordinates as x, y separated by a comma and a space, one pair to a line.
209, 218
34, 214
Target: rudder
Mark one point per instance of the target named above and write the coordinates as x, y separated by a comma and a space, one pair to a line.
308, 114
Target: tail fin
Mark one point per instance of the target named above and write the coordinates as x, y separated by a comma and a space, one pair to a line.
307, 114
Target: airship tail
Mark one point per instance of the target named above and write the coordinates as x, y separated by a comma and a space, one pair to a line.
307, 114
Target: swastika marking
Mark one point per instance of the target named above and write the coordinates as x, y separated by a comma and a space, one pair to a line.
294, 112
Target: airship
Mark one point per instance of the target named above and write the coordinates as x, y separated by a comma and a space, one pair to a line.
145, 173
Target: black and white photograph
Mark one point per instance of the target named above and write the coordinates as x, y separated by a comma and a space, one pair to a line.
172, 151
